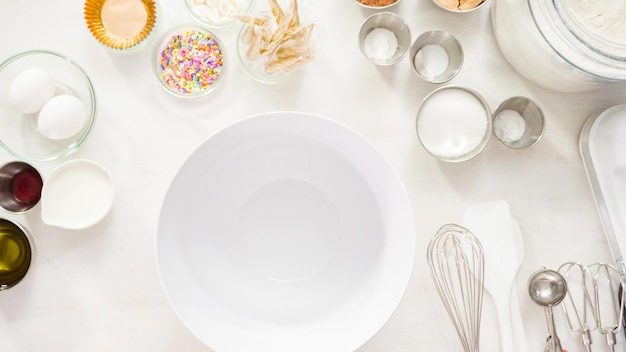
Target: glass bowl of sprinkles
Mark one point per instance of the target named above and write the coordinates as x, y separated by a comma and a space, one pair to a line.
189, 61
218, 13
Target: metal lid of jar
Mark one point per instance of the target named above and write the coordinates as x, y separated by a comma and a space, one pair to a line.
589, 34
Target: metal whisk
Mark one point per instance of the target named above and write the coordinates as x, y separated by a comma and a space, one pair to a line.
609, 306
579, 305
456, 261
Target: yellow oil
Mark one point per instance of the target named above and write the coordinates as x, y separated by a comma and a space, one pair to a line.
15, 254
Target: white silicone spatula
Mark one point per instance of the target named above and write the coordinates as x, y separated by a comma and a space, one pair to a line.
521, 343
492, 224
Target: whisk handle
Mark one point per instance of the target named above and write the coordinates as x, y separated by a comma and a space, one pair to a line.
585, 338
611, 341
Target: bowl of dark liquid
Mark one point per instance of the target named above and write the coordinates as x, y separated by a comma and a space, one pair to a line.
20, 187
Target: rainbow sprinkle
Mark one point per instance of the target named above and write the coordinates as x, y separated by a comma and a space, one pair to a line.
191, 62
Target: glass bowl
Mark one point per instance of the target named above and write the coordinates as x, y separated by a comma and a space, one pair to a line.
215, 13
19, 134
256, 68
290, 53
196, 49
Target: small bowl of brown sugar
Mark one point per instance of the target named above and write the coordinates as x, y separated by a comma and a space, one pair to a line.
376, 4
460, 5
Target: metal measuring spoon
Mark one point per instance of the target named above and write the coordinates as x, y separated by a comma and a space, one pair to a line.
548, 288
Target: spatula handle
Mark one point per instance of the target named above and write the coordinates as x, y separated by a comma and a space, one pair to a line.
517, 323
503, 308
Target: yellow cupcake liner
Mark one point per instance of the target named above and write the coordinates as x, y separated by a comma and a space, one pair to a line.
93, 18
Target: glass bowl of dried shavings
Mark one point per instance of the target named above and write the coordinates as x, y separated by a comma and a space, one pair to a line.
275, 46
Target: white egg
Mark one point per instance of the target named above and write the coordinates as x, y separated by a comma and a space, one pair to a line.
62, 117
30, 90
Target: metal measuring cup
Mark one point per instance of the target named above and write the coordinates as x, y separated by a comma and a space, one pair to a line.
20, 186
548, 288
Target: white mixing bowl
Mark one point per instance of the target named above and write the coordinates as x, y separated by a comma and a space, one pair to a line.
285, 231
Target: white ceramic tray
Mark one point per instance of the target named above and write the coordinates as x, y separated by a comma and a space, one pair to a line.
603, 150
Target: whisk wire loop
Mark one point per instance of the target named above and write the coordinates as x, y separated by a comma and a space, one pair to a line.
456, 261
609, 304
578, 305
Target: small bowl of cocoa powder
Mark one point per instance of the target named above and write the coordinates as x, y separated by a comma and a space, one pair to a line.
376, 4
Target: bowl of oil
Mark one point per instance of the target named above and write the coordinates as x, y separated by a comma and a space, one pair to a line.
16, 252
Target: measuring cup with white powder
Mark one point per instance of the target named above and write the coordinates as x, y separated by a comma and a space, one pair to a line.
436, 56
454, 123
518, 123
384, 38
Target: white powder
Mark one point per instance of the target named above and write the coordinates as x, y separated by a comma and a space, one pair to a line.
432, 60
509, 126
380, 44
217, 11
527, 51
605, 17
452, 123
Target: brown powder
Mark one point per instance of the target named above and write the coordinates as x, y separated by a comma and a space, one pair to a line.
377, 2
460, 5
124, 18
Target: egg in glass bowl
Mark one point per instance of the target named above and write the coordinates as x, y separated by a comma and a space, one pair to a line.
47, 105
277, 43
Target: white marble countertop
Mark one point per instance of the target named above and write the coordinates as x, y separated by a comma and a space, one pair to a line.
98, 289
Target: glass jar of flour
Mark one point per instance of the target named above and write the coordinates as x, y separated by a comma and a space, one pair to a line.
563, 45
